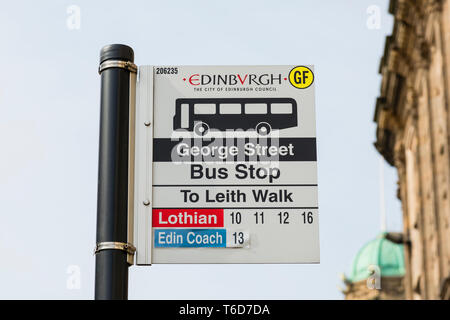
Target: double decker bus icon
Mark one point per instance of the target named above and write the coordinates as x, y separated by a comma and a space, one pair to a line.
261, 114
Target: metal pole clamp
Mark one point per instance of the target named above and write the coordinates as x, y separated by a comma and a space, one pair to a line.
127, 247
127, 65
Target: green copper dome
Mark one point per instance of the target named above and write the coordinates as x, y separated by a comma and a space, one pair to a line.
388, 256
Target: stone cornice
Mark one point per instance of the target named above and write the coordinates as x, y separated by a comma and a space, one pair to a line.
406, 53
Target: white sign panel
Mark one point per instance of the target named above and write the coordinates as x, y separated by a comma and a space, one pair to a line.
226, 165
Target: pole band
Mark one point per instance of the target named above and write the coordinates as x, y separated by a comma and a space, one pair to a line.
127, 247
127, 65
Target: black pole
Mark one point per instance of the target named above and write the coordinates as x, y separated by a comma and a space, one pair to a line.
111, 267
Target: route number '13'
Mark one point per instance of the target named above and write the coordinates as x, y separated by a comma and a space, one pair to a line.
238, 237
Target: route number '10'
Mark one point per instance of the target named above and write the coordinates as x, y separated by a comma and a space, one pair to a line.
236, 218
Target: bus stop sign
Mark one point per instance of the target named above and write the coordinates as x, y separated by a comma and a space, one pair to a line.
225, 165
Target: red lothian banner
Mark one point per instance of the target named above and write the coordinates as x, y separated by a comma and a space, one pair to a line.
187, 218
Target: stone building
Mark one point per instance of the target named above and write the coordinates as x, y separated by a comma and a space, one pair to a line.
377, 272
413, 134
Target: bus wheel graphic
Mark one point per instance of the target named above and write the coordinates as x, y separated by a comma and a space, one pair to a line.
201, 128
263, 128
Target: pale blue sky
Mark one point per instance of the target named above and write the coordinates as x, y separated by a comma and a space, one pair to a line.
49, 100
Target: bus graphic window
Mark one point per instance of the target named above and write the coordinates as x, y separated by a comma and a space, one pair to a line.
230, 108
256, 108
207, 108
185, 115
277, 108
260, 114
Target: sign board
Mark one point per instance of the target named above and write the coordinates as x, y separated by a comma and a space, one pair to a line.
226, 165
